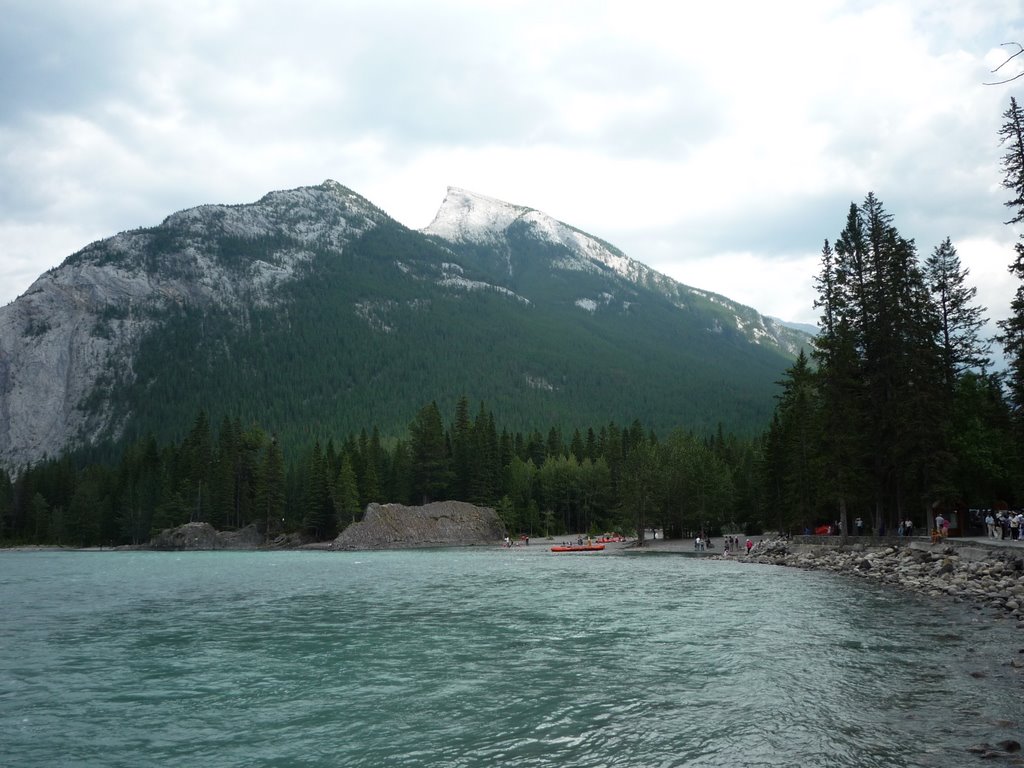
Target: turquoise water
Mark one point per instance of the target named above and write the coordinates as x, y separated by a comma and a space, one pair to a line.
484, 657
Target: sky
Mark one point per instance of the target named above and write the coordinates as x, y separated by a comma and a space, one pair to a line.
719, 143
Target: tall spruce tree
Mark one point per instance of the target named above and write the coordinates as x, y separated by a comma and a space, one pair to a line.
196, 456
1011, 135
270, 494
345, 493
793, 447
319, 518
960, 320
842, 394
462, 450
431, 470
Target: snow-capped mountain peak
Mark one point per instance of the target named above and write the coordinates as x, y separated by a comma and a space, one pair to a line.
465, 216
468, 217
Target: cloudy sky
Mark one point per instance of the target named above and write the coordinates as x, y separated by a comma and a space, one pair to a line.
720, 143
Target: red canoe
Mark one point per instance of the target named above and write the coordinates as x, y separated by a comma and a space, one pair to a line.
578, 548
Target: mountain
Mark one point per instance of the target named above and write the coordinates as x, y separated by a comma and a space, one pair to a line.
313, 313
807, 328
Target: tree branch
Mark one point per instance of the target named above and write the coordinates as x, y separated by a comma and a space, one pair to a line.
1008, 60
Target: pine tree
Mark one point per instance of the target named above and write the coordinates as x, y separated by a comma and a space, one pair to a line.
270, 494
1011, 134
196, 455
485, 470
223, 490
400, 476
319, 519
462, 450
554, 444
576, 446
793, 446
376, 469
346, 494
6, 505
960, 321
638, 485
431, 472
841, 389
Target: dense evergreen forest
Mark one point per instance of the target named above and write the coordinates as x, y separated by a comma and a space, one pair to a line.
236, 475
895, 414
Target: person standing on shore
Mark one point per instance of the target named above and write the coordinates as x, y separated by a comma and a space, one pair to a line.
990, 524
750, 546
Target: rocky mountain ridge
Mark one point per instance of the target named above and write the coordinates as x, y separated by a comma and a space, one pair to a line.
70, 346
469, 218
71, 336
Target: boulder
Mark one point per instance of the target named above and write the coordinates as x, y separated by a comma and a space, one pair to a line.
245, 538
188, 536
439, 524
202, 536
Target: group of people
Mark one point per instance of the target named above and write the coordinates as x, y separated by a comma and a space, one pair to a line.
1005, 524
906, 528
732, 544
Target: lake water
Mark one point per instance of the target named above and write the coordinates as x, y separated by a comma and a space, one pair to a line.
485, 657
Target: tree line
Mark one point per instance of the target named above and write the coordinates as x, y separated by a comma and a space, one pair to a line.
541, 483
895, 414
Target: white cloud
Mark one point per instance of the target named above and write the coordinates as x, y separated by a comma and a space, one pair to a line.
719, 143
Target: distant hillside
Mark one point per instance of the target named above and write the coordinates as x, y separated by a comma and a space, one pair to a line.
810, 330
314, 313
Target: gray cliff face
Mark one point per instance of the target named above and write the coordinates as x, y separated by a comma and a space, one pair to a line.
439, 524
71, 337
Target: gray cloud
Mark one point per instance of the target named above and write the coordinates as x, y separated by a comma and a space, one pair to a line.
677, 135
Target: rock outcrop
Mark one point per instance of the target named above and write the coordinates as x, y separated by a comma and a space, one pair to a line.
201, 536
439, 524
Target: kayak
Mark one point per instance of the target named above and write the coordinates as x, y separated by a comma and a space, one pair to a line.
577, 548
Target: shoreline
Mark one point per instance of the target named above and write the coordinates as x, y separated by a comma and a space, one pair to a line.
987, 574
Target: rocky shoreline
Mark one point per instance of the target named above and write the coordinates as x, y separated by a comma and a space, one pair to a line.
984, 575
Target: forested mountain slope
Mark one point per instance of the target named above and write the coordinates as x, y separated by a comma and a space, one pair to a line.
314, 313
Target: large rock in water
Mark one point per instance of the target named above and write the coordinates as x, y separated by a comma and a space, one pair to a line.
439, 524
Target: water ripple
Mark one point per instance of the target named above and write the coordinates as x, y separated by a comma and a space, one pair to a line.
481, 658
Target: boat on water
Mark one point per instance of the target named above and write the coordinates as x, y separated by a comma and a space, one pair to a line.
577, 548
